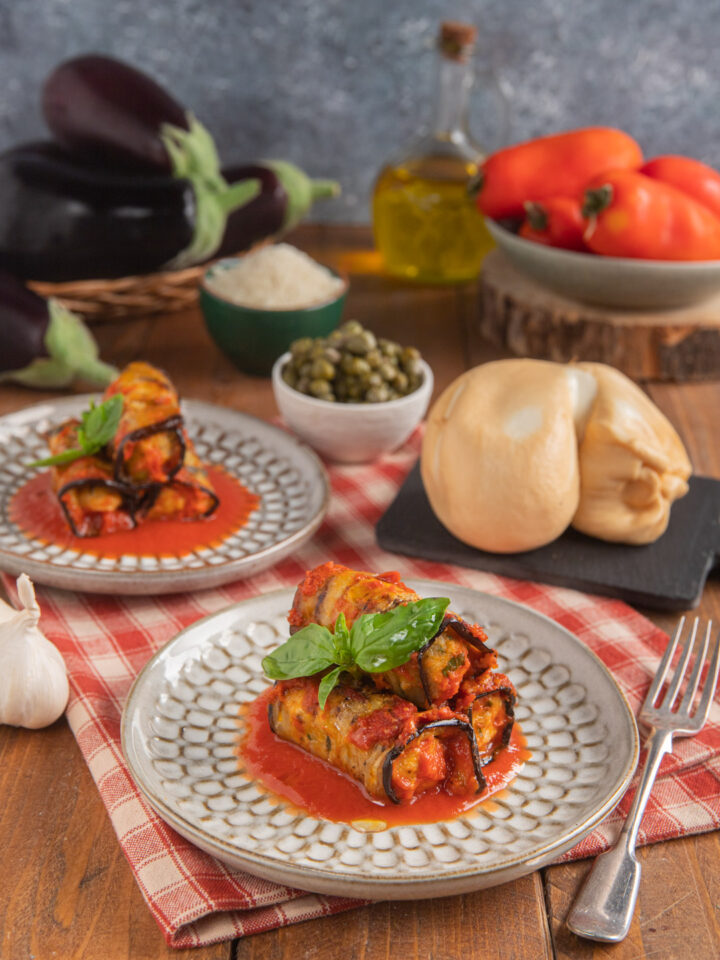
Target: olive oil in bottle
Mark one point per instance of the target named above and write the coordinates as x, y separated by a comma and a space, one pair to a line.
427, 226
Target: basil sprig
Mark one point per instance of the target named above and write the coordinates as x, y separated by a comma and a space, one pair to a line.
98, 425
376, 642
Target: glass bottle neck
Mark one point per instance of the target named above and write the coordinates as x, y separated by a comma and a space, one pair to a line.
454, 80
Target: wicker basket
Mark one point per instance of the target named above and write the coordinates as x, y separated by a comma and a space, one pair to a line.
127, 297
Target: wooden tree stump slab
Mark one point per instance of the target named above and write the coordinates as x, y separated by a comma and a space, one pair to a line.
520, 315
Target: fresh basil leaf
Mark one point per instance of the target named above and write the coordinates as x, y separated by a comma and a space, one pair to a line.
99, 423
327, 685
382, 641
306, 653
341, 636
67, 456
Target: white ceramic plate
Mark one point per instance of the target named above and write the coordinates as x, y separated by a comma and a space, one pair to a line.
289, 478
623, 282
180, 731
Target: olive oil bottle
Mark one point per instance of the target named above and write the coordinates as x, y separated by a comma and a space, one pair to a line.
426, 224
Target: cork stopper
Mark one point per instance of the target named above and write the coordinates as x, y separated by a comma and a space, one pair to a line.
456, 40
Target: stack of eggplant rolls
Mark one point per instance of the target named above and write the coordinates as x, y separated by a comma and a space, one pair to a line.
432, 723
149, 470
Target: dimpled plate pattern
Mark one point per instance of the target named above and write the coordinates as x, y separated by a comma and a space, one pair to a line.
287, 475
180, 734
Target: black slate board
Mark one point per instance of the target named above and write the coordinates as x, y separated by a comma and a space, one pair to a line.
666, 575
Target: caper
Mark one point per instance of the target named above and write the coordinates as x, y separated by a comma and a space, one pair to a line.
361, 342
319, 388
401, 381
374, 380
387, 371
409, 354
351, 327
374, 358
359, 367
389, 347
305, 368
289, 375
332, 355
303, 384
377, 394
303, 345
322, 369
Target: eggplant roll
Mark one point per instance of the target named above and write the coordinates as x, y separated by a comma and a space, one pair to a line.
488, 701
188, 496
384, 742
149, 445
92, 500
431, 676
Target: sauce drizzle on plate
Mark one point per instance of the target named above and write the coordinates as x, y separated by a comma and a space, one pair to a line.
322, 791
35, 509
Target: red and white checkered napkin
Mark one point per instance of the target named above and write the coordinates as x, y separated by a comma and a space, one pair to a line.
106, 640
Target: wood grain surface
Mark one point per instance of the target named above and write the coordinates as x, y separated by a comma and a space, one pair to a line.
66, 891
517, 312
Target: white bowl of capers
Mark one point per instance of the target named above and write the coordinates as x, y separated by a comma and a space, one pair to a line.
350, 395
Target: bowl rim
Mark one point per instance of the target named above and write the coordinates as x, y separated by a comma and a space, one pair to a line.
426, 386
268, 310
588, 256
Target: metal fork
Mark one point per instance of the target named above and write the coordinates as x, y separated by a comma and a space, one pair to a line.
604, 907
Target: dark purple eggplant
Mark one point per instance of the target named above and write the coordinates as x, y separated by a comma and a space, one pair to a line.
286, 195
43, 344
109, 111
65, 219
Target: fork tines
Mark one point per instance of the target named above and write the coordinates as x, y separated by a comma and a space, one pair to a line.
666, 705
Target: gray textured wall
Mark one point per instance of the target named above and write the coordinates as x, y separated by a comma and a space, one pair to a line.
337, 85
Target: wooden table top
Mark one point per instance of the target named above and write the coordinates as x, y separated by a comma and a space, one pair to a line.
66, 890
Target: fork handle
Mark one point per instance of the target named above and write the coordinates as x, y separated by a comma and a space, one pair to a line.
604, 907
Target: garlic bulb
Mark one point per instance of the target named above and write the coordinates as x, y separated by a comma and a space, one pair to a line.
33, 679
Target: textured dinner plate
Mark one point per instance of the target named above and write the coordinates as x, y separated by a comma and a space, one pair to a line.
180, 734
289, 478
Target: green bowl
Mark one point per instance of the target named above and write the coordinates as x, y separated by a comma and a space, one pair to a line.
254, 338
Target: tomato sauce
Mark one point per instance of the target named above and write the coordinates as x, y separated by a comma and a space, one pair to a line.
314, 786
35, 509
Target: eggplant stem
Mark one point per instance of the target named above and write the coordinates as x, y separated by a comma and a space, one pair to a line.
324, 188
72, 354
193, 157
300, 190
238, 194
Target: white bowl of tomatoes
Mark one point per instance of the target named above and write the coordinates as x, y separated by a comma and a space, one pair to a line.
583, 215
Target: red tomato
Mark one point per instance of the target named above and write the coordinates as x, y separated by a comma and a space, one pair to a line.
554, 166
558, 222
696, 179
631, 215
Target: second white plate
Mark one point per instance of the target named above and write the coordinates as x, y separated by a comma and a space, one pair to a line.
289, 478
